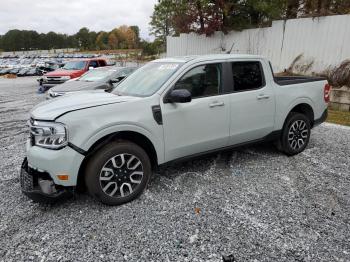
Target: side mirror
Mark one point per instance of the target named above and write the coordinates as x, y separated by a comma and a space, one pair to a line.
116, 80
178, 96
91, 67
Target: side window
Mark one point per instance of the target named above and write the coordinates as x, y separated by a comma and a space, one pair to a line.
102, 62
93, 64
247, 76
202, 81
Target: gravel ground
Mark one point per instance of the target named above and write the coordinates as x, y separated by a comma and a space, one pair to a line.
254, 203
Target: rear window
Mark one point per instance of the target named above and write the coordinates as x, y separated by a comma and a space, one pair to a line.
247, 76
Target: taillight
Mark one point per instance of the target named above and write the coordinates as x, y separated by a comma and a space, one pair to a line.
327, 92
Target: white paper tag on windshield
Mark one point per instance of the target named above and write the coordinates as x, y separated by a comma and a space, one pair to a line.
168, 66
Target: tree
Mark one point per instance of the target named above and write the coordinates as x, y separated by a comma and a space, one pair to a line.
113, 40
83, 38
151, 48
102, 40
122, 37
130, 38
171, 17
136, 30
92, 40
161, 20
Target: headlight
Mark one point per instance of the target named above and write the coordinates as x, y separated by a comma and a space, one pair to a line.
65, 77
48, 134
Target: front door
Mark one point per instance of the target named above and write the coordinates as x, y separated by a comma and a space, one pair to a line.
202, 124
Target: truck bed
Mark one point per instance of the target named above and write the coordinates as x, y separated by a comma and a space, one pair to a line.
290, 80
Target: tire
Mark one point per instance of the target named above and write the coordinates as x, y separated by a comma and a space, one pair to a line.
118, 173
295, 134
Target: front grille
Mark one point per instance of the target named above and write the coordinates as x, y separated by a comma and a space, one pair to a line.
25, 178
30, 176
54, 79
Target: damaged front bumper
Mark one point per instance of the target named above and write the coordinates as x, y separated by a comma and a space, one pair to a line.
40, 187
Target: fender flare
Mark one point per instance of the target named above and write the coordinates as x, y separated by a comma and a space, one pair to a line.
294, 103
157, 143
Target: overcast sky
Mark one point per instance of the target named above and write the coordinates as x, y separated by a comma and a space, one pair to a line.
68, 16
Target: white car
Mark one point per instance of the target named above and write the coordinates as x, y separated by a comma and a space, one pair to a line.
168, 110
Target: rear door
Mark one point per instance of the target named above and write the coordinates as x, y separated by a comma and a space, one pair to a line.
202, 124
252, 103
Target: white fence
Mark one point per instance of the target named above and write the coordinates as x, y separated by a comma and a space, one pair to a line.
320, 42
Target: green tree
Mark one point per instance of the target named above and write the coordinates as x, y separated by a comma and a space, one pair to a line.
102, 40
151, 48
83, 38
162, 20
92, 40
136, 30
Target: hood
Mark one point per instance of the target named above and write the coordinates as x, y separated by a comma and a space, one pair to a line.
71, 86
52, 109
63, 72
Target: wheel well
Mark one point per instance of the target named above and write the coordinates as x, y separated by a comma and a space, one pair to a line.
134, 137
306, 110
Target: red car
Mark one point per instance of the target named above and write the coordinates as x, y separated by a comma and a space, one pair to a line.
70, 70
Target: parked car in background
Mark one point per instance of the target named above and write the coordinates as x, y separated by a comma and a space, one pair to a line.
31, 72
48, 66
169, 109
4, 71
14, 71
70, 70
104, 78
23, 71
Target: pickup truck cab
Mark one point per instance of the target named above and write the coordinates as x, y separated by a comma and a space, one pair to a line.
70, 70
169, 109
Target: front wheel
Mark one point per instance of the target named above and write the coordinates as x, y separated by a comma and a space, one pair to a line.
295, 134
118, 173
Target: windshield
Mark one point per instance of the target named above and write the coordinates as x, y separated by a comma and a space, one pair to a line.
96, 75
74, 65
147, 80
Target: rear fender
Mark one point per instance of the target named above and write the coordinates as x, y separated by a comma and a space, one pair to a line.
283, 116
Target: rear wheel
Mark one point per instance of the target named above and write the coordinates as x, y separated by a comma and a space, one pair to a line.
295, 134
118, 173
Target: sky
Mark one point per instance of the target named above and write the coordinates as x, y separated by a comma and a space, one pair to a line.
68, 16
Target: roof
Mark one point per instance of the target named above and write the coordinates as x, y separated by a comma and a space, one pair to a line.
198, 58
116, 68
85, 59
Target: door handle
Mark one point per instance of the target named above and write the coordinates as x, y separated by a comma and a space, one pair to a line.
262, 96
216, 103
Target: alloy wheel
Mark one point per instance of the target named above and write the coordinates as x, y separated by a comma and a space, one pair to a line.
298, 134
121, 175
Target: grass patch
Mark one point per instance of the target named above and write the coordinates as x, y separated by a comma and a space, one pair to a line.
338, 117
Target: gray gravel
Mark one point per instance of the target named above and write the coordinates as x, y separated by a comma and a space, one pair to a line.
254, 203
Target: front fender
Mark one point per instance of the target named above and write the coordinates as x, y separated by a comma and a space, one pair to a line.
86, 127
157, 143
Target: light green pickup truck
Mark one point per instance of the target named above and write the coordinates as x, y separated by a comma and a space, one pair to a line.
168, 110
